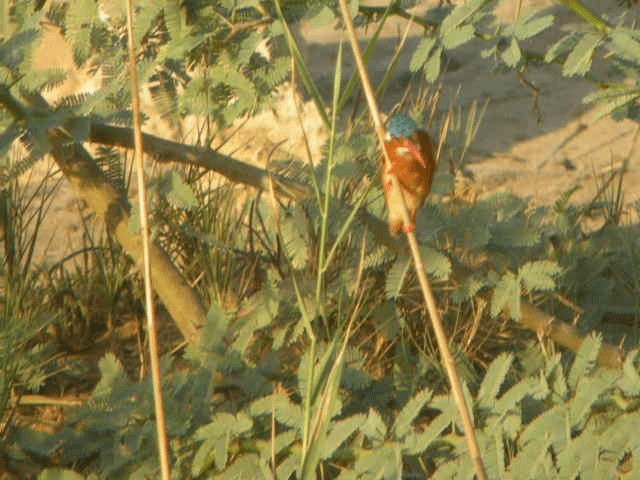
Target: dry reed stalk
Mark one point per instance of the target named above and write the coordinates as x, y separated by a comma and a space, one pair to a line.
156, 376
443, 345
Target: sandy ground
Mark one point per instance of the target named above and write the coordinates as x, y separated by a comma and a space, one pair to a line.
532, 154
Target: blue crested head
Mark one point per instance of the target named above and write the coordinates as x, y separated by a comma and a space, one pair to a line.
402, 126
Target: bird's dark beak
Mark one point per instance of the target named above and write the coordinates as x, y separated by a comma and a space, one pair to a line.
417, 153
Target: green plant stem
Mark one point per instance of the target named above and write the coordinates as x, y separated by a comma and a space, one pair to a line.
299, 114
443, 345
353, 81
302, 66
386, 78
306, 437
324, 211
310, 372
587, 14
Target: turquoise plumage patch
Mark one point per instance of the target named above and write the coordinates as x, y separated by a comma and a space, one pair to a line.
402, 126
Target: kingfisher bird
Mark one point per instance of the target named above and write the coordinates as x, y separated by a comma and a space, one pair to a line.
413, 162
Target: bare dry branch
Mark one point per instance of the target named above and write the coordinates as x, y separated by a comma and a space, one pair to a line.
167, 151
90, 183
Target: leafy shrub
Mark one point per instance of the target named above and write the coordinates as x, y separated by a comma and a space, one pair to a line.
315, 357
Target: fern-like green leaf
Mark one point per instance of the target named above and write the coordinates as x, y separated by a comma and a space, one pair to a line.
396, 276
536, 388
436, 263
280, 406
580, 457
527, 26
493, 380
625, 44
275, 73
15, 49
588, 391
406, 416
578, 62
630, 381
111, 373
81, 15
294, 235
470, 227
530, 459
355, 379
246, 466
467, 289
539, 275
561, 48
204, 457
59, 474
8, 136
179, 194
461, 14
514, 233
417, 443
276, 445
339, 432
379, 256
432, 67
287, 467
506, 296
512, 54
621, 434
42, 80
147, 16
224, 425
421, 53
457, 36
374, 427
552, 424
260, 310
383, 462
556, 377
585, 360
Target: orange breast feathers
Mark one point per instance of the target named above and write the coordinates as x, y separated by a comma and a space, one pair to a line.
413, 164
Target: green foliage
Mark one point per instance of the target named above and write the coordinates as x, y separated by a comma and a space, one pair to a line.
549, 435
316, 358
59, 474
578, 62
534, 427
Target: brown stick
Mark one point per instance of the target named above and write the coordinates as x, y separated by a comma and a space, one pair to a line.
167, 151
427, 292
532, 318
182, 302
90, 183
145, 235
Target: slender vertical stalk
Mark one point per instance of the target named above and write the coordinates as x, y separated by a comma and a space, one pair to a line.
307, 81
586, 14
443, 345
310, 373
161, 428
325, 207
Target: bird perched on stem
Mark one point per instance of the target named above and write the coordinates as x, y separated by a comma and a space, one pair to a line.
410, 150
